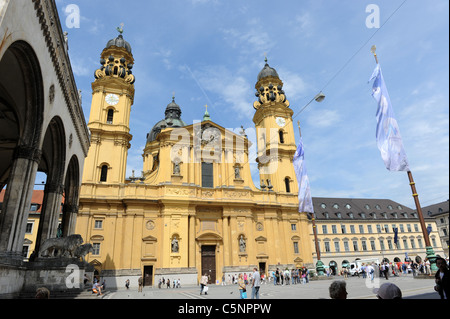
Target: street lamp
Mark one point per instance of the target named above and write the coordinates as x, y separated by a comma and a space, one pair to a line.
319, 265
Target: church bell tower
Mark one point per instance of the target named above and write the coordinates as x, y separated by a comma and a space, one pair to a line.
275, 133
109, 121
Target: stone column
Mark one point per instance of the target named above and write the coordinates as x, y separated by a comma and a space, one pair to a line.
191, 241
51, 208
16, 206
226, 241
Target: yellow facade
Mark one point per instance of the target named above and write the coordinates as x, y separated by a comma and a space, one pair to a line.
195, 210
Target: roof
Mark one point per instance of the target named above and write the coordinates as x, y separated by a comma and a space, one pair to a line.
172, 120
360, 209
36, 199
119, 42
436, 209
267, 71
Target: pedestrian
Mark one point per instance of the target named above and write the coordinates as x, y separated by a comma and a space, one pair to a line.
386, 270
427, 266
127, 283
370, 271
242, 287
442, 278
42, 293
168, 283
338, 290
256, 283
388, 291
204, 284
97, 289
140, 283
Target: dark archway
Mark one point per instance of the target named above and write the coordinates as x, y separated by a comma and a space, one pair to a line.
21, 120
71, 197
53, 164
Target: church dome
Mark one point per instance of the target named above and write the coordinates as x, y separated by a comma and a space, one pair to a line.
172, 119
119, 42
267, 71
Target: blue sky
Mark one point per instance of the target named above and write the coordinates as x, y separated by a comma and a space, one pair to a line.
211, 51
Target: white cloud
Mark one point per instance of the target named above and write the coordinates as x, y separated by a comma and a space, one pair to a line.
325, 118
165, 55
294, 86
233, 90
80, 67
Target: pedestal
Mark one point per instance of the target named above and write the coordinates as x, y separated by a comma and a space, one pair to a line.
432, 258
320, 268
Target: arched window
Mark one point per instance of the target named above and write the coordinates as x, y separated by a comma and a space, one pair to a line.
287, 182
281, 133
104, 173
109, 119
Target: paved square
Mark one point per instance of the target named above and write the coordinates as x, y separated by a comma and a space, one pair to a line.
357, 288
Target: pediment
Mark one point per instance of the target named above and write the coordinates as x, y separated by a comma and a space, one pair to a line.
261, 238
97, 238
209, 236
149, 238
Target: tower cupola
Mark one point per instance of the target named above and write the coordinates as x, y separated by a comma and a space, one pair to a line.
116, 60
269, 88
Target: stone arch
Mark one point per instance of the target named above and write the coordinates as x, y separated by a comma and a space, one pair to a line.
22, 106
53, 163
71, 196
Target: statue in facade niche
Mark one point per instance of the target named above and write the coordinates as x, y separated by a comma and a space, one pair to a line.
242, 244
237, 172
175, 247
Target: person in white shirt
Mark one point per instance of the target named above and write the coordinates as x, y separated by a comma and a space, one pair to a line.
256, 283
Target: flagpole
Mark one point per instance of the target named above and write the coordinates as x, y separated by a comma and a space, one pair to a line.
319, 265
429, 249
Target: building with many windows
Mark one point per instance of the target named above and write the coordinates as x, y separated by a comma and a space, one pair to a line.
351, 229
440, 213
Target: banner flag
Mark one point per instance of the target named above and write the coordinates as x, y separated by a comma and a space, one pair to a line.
304, 192
389, 140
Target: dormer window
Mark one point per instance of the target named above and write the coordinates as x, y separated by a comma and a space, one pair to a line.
336, 206
348, 206
377, 207
363, 215
367, 206
350, 215
339, 215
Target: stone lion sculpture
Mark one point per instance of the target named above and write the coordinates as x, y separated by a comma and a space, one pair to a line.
65, 246
83, 250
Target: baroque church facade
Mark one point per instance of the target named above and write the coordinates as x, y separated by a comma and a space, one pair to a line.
195, 210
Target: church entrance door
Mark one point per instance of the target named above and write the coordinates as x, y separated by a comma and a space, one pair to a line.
148, 276
209, 263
